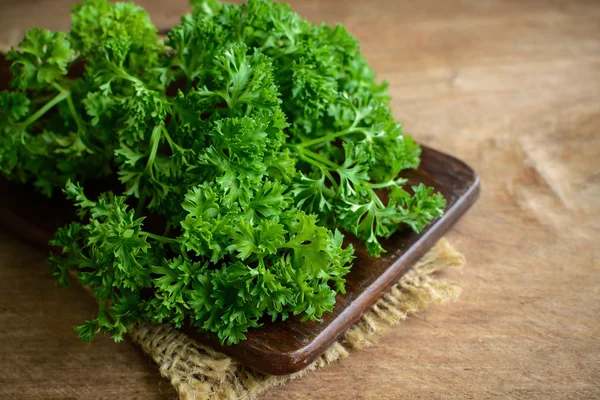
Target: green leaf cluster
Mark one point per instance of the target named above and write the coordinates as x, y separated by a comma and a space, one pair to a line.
240, 147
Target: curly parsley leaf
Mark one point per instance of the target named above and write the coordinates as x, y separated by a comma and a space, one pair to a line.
237, 148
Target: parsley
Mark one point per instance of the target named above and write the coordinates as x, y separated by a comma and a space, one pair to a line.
239, 146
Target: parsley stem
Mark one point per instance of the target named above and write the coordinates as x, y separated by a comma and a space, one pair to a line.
332, 136
319, 158
141, 204
154, 142
333, 182
160, 238
39, 113
172, 144
382, 185
80, 127
75, 114
376, 198
318, 164
311, 161
167, 228
121, 73
42, 99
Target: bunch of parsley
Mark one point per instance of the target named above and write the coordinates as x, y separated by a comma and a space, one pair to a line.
249, 136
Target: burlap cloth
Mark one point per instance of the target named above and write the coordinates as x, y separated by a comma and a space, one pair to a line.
199, 372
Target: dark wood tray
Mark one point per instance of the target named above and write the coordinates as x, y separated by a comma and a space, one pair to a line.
286, 347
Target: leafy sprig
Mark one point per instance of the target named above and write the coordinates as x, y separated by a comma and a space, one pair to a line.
239, 149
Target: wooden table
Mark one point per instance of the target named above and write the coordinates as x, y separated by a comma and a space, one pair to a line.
513, 88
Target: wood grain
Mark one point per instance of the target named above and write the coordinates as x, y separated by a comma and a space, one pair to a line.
512, 87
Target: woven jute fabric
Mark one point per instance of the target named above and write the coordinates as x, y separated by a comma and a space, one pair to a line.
199, 372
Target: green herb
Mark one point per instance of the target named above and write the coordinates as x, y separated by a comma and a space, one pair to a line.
241, 144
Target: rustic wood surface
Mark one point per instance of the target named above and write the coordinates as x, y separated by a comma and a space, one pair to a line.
511, 87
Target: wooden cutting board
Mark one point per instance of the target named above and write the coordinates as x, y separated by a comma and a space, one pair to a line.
289, 346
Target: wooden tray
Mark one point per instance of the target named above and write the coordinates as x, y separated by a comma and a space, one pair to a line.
286, 347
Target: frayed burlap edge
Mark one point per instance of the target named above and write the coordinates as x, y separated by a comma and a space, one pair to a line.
199, 372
